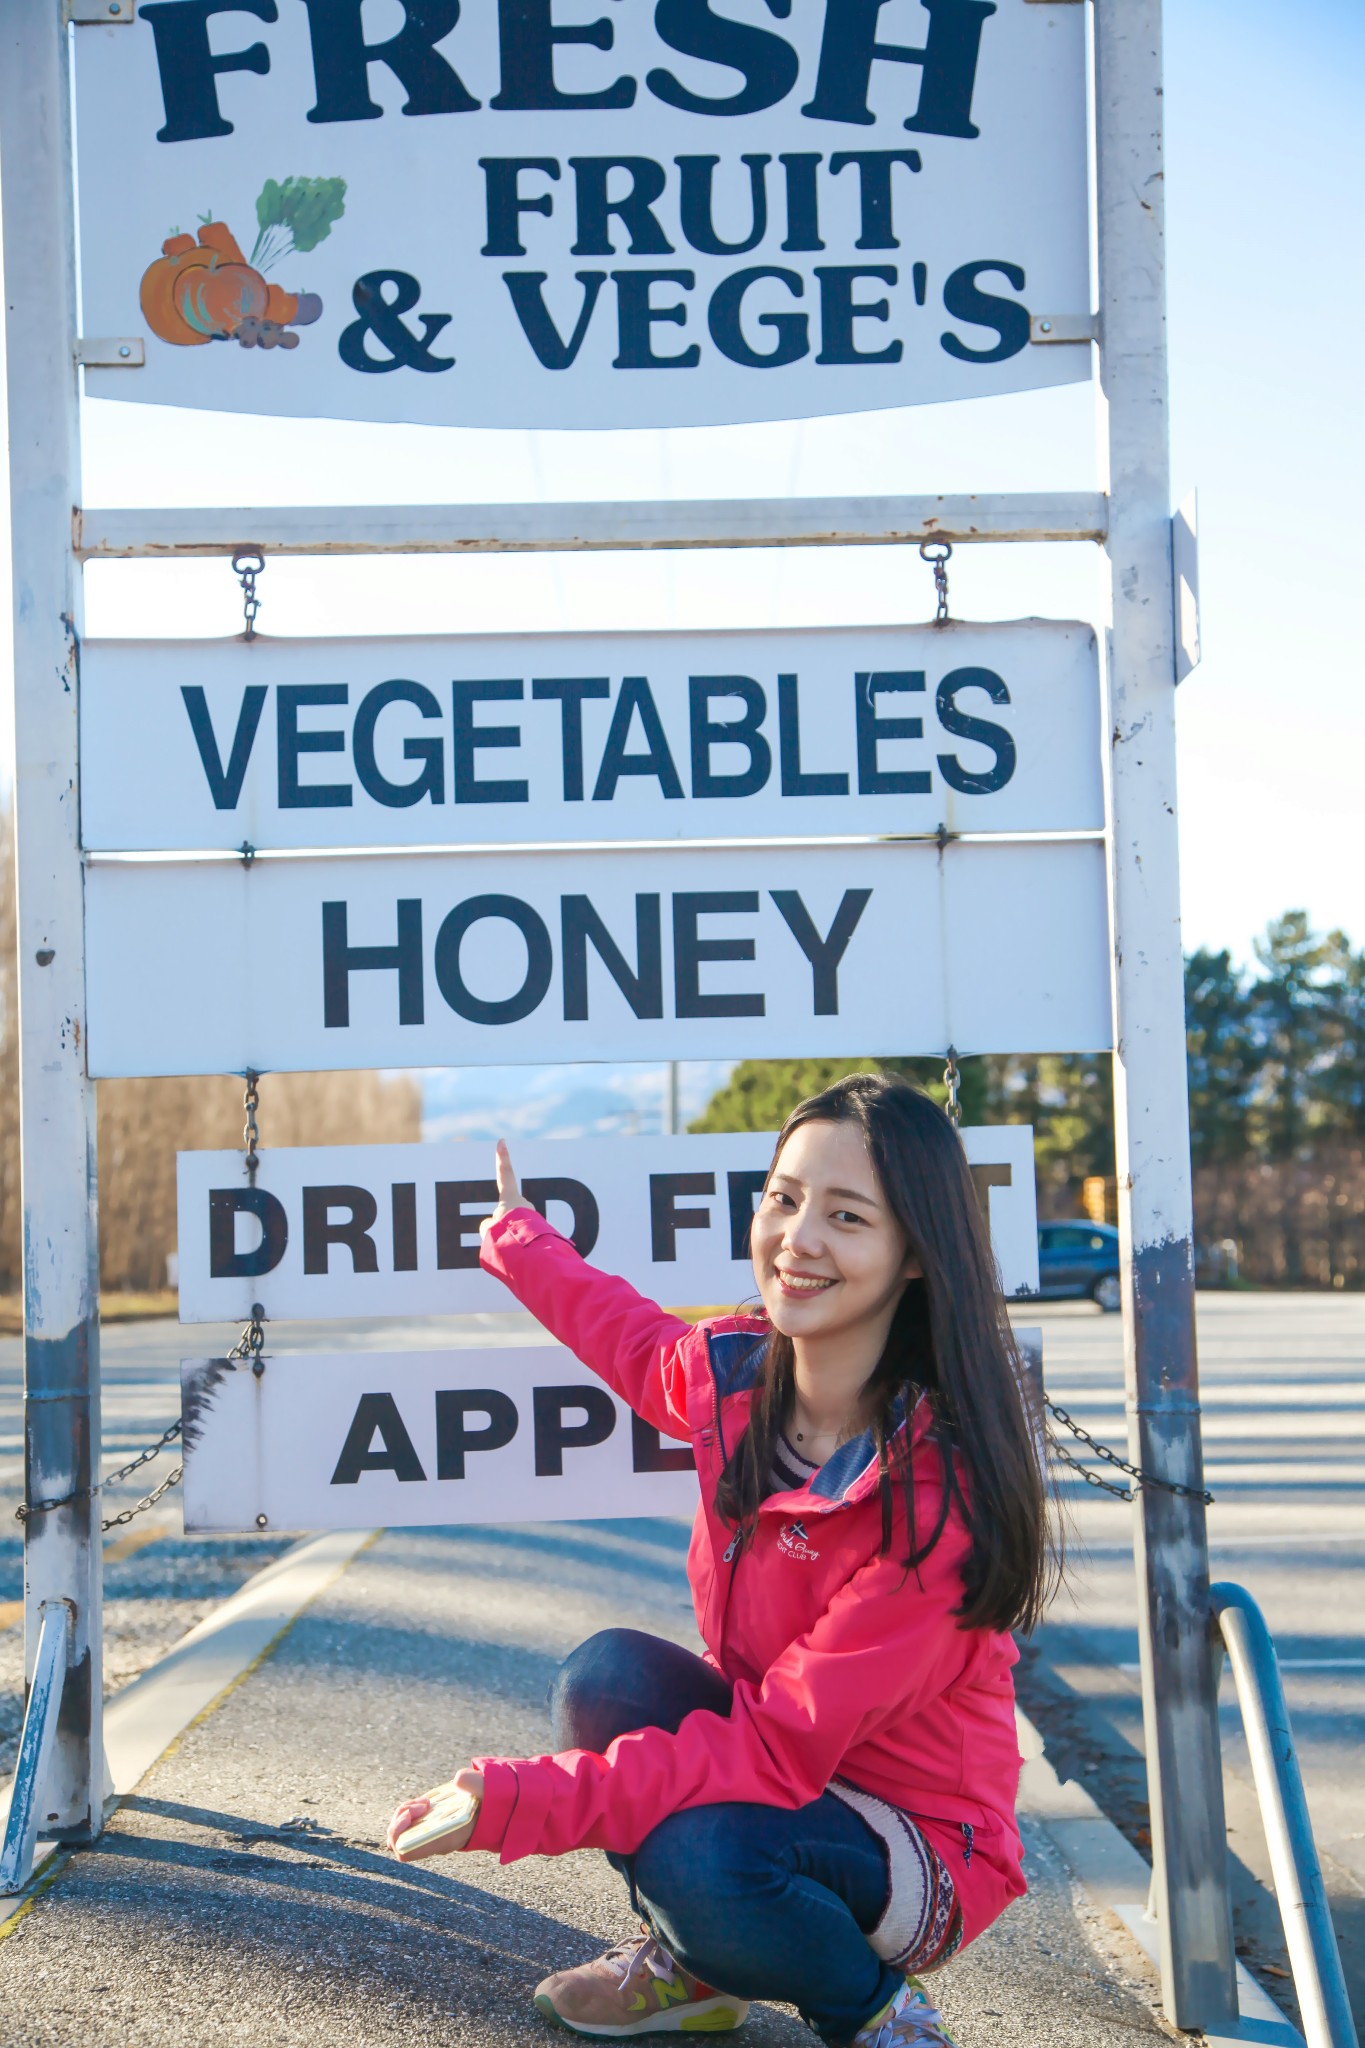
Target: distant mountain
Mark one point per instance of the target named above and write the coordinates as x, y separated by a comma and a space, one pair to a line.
563, 1101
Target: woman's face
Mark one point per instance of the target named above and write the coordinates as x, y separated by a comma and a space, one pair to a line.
828, 1254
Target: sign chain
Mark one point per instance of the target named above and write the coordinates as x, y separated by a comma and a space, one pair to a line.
247, 565
938, 553
1068, 1457
26, 1512
952, 1080
251, 1130
252, 1340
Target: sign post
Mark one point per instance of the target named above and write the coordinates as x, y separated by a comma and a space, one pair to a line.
1151, 1101
62, 1557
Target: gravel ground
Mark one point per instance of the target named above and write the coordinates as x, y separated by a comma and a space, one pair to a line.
243, 1895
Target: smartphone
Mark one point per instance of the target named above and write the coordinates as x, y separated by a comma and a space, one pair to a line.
451, 1808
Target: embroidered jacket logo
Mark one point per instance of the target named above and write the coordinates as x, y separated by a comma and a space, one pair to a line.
794, 1542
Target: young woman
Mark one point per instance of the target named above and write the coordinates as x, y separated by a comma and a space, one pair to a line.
823, 1803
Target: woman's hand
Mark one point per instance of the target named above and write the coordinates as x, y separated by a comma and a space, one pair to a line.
509, 1193
413, 1810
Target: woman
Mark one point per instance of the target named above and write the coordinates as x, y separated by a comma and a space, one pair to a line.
823, 1803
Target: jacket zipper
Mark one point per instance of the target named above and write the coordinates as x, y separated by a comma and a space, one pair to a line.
730, 1555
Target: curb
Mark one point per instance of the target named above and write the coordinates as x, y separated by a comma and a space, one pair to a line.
1117, 1880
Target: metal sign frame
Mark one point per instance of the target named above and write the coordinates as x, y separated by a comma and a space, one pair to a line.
53, 534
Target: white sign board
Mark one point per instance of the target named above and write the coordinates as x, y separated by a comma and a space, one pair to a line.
476, 960
557, 213
392, 1230
419, 1438
359, 743
351, 1440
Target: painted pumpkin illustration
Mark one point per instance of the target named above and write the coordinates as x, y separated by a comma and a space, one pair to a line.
179, 255
208, 290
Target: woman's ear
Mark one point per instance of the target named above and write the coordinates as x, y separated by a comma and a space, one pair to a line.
912, 1269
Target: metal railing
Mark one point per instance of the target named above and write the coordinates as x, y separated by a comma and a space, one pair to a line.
1310, 1937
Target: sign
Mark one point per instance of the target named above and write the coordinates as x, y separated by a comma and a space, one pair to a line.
392, 1230
358, 743
552, 213
345, 1440
411, 1439
211, 966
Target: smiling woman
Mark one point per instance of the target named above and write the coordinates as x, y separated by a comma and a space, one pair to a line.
824, 1801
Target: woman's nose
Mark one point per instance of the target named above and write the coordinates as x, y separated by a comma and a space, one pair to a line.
802, 1237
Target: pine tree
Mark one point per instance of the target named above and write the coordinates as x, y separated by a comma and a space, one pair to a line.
1223, 1057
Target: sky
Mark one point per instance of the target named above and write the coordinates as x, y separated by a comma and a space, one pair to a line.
1266, 294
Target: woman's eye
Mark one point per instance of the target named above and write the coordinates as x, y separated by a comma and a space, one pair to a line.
846, 1216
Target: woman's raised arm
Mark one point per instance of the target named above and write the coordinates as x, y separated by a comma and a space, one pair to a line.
626, 1339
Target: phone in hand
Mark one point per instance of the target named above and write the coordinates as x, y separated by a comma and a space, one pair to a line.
451, 1808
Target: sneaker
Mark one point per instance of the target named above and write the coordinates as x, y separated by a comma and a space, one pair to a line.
909, 2021
637, 1988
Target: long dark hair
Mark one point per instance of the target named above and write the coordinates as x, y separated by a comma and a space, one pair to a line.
950, 1339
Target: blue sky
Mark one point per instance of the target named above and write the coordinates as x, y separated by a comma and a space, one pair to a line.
1267, 307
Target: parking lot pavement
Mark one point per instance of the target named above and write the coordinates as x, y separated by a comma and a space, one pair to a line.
1282, 1380
243, 1895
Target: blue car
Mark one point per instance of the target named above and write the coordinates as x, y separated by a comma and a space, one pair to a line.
1079, 1259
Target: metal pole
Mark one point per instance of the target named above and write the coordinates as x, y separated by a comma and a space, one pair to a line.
1179, 1692
672, 1124
57, 1124
1299, 1890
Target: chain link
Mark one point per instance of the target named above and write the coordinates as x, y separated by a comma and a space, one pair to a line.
952, 1080
1082, 1434
247, 565
29, 1509
251, 1130
148, 1500
251, 1343
938, 553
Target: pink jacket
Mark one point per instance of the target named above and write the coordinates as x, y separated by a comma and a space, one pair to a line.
841, 1665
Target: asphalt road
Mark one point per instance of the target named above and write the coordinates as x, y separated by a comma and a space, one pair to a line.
1284, 1392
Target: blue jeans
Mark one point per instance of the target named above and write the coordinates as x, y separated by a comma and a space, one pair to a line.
758, 1901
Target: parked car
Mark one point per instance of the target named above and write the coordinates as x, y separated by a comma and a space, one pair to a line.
1079, 1259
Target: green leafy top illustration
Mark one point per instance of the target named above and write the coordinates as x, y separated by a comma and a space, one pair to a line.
293, 216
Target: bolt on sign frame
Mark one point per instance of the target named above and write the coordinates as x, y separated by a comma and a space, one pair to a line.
53, 533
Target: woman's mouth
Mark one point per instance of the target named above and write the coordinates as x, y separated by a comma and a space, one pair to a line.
802, 1285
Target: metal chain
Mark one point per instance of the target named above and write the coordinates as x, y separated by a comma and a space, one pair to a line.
251, 1343
951, 1081
1079, 1431
938, 553
247, 565
29, 1509
148, 1500
251, 1131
